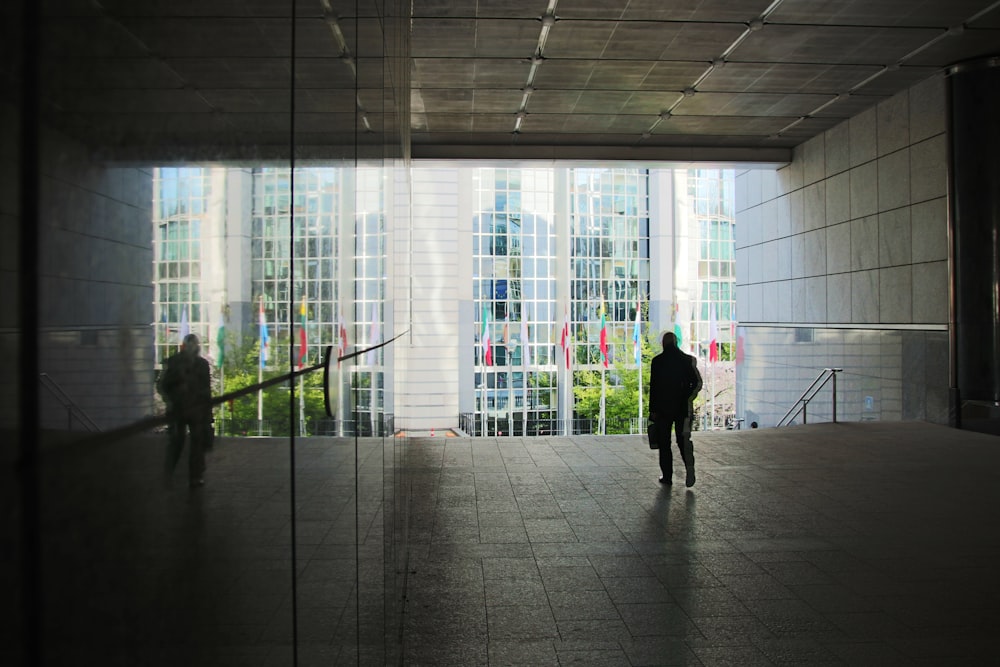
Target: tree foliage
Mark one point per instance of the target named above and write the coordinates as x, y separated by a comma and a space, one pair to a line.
621, 402
241, 364
622, 390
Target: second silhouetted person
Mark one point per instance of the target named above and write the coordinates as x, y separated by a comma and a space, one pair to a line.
673, 384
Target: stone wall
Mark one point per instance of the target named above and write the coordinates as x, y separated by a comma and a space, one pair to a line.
842, 262
94, 274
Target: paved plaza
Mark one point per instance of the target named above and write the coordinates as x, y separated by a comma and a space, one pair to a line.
857, 543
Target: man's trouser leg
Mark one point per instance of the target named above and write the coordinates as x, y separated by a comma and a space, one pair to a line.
196, 457
665, 426
686, 447
175, 443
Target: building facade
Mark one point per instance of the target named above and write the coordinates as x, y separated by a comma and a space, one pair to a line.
504, 301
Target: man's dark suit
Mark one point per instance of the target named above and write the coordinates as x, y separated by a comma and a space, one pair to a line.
674, 382
185, 385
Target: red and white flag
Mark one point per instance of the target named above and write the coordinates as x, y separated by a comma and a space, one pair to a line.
341, 339
565, 340
713, 335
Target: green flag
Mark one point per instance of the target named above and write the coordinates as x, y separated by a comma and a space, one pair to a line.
220, 342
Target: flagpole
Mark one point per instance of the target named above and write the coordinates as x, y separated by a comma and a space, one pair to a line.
567, 388
222, 388
375, 332
524, 408
637, 336
303, 353
713, 355
601, 424
640, 392
260, 398
260, 373
486, 342
341, 351
510, 379
302, 409
525, 353
569, 352
510, 400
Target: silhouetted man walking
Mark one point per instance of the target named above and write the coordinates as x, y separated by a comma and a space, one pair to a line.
673, 383
185, 385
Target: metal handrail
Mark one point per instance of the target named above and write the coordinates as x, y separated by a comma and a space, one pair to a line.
72, 409
802, 404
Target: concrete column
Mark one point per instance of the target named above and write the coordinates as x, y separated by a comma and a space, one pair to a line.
974, 143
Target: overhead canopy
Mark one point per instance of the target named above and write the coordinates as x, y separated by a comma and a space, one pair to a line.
737, 80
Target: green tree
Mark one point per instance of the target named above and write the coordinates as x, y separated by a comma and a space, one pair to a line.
622, 389
241, 371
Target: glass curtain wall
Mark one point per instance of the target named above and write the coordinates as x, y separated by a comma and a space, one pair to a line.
180, 206
368, 378
712, 227
711, 194
316, 202
610, 228
520, 280
132, 132
514, 288
609, 267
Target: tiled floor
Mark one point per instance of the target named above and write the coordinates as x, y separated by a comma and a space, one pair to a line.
837, 544
854, 544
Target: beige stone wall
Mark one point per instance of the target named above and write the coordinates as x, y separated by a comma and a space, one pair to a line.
853, 231
848, 244
94, 273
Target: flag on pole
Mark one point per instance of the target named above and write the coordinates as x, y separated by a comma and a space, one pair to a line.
303, 340
265, 340
374, 334
484, 339
604, 336
636, 346
220, 343
713, 335
564, 339
185, 327
637, 343
678, 327
525, 340
341, 339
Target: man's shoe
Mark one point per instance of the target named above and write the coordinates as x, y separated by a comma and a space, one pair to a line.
689, 481
665, 479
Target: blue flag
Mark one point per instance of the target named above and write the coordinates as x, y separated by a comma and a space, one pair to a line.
264, 338
636, 337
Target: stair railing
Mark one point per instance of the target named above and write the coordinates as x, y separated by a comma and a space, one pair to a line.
802, 404
72, 409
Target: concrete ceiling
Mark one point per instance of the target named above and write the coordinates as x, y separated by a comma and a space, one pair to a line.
521, 79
